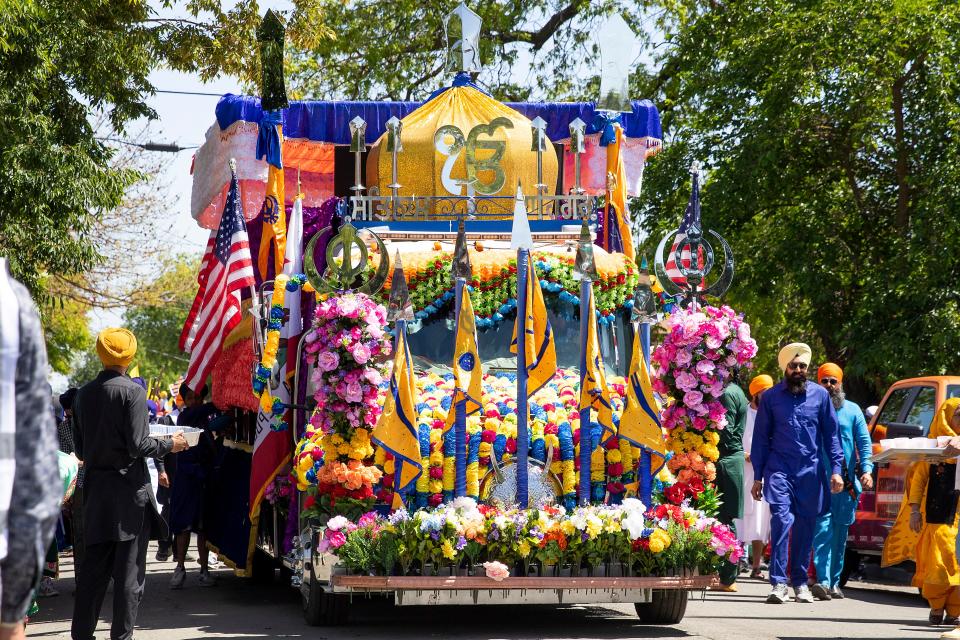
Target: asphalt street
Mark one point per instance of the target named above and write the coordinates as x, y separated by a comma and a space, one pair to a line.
236, 608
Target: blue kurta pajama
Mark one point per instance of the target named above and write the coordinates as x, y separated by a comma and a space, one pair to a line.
789, 435
830, 535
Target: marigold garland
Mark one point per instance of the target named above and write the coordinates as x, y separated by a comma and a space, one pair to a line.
261, 388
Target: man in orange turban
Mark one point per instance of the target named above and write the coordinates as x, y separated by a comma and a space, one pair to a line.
112, 438
830, 532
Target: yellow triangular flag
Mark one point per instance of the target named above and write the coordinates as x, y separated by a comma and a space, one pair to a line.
594, 392
396, 430
467, 372
541, 351
640, 422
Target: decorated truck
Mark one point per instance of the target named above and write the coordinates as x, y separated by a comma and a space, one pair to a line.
441, 389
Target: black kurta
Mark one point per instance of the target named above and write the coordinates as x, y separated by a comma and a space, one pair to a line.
111, 431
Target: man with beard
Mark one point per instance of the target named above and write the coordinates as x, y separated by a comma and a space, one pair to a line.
830, 535
796, 426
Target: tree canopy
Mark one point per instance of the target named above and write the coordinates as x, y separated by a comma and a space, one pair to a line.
830, 135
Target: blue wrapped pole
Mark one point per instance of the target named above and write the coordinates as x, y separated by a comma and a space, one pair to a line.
586, 437
645, 467
460, 424
523, 440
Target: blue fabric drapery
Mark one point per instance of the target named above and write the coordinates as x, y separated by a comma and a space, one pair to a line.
322, 121
268, 138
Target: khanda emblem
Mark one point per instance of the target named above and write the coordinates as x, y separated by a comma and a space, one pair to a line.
450, 141
346, 272
270, 211
692, 255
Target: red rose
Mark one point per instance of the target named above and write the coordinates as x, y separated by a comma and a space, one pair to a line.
511, 445
436, 473
615, 487
612, 443
696, 486
309, 501
674, 494
435, 499
615, 469
488, 435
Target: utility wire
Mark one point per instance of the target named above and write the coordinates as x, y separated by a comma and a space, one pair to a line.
163, 147
189, 93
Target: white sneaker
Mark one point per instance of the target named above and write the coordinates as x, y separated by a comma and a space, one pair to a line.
836, 594
214, 563
179, 577
778, 595
206, 580
802, 594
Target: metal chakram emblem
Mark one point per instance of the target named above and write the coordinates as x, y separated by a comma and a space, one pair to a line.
693, 255
347, 273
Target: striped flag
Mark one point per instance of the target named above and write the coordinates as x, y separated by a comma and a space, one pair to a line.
226, 269
271, 448
691, 215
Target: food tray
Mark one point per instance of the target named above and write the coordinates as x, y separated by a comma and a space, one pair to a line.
911, 455
163, 432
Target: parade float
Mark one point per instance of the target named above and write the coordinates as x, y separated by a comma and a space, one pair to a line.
449, 339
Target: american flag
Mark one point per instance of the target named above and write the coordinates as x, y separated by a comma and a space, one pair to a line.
226, 269
691, 215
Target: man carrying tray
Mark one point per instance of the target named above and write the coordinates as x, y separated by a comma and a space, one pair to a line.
111, 432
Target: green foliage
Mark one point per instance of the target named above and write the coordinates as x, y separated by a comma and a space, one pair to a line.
65, 332
159, 317
395, 50
830, 135
61, 63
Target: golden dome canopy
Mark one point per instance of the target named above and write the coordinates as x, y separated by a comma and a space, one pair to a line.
463, 136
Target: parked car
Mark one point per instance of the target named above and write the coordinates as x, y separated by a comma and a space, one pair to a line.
907, 410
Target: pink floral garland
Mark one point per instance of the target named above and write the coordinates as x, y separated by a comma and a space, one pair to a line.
347, 343
692, 366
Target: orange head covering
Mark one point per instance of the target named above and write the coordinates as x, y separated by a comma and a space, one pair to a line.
829, 370
116, 347
941, 425
760, 383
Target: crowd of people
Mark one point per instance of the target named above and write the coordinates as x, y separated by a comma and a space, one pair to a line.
88, 485
794, 458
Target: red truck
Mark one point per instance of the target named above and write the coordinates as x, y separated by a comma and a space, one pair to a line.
907, 410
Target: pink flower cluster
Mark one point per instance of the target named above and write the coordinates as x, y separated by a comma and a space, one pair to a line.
695, 362
346, 342
724, 543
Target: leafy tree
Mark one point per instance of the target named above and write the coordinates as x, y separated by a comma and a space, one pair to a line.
395, 50
158, 319
60, 63
830, 133
155, 316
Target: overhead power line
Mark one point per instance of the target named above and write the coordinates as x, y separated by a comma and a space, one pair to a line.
162, 147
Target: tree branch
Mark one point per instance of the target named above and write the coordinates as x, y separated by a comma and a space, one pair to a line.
539, 37
901, 147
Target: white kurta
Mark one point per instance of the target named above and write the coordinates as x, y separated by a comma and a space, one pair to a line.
755, 523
